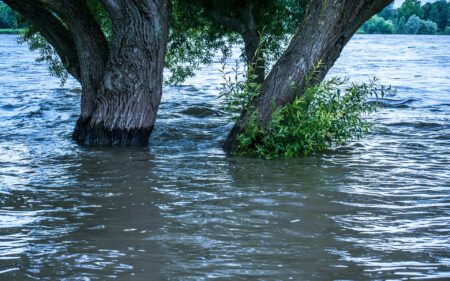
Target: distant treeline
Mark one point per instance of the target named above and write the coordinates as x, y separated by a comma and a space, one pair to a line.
411, 18
8, 18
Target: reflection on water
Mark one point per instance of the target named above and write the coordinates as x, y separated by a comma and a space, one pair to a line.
181, 209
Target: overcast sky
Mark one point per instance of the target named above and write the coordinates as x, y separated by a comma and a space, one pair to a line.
399, 2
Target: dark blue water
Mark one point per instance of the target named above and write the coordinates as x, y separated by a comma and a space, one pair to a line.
377, 209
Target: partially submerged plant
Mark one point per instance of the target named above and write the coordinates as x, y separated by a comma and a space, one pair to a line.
241, 87
238, 90
325, 115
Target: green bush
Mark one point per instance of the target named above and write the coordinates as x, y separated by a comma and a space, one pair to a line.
326, 115
413, 25
428, 27
378, 25
447, 30
7, 17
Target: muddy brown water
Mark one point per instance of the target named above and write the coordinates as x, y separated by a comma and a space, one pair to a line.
182, 209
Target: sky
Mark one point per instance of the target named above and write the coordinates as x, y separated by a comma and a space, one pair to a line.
399, 2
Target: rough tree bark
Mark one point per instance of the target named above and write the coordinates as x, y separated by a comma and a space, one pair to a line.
121, 82
326, 28
128, 99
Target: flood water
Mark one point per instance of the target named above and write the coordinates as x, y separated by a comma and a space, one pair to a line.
182, 209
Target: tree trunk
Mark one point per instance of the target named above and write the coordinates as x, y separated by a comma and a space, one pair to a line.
254, 56
126, 100
326, 28
122, 83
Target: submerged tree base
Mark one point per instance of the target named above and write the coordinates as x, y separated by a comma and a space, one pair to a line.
97, 135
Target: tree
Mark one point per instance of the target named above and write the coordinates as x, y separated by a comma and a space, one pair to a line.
388, 13
409, 8
7, 17
427, 10
326, 28
413, 25
428, 27
121, 80
439, 13
378, 25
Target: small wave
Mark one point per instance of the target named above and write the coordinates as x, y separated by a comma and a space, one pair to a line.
8, 107
201, 112
390, 103
418, 125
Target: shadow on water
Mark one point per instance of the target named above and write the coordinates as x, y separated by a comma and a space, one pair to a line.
183, 210
89, 217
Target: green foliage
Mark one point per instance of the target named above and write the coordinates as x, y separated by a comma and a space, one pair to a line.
388, 13
415, 25
236, 92
447, 30
194, 40
46, 53
428, 27
196, 37
7, 17
102, 17
438, 12
412, 25
411, 18
11, 31
378, 25
326, 115
239, 88
409, 8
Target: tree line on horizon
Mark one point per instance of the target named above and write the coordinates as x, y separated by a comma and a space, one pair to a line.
411, 18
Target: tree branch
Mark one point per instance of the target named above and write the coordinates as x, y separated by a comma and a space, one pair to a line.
86, 31
227, 22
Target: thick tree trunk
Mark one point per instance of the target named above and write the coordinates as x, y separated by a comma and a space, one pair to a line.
126, 100
325, 30
122, 83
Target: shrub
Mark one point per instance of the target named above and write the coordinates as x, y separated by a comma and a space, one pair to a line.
447, 30
238, 90
324, 116
413, 25
7, 16
428, 27
378, 25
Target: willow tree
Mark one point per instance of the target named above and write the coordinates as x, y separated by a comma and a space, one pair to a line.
122, 79
325, 28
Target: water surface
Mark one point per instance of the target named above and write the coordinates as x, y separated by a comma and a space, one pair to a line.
181, 209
